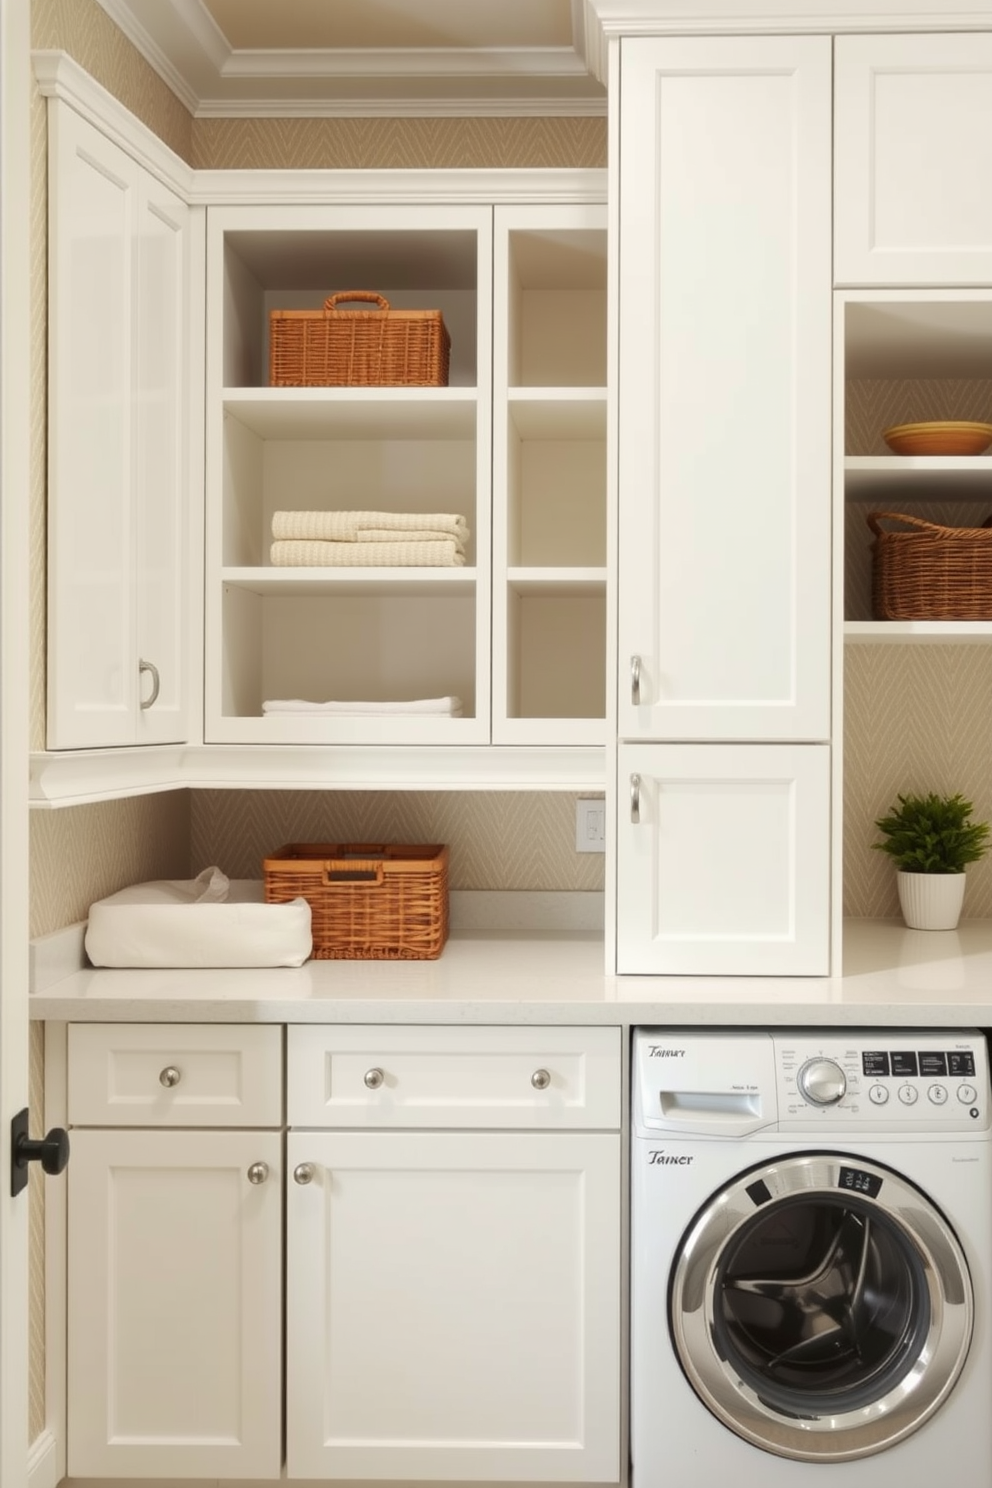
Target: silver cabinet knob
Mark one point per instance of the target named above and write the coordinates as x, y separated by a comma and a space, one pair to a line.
374, 1078
258, 1172
152, 670
540, 1079
303, 1172
170, 1076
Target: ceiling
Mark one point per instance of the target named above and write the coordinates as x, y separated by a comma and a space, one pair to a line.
355, 57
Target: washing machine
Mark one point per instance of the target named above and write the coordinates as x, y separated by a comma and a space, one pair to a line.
811, 1248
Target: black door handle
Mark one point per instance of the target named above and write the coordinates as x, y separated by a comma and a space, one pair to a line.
52, 1151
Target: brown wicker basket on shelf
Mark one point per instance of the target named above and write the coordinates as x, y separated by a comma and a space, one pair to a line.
930, 572
368, 902
358, 348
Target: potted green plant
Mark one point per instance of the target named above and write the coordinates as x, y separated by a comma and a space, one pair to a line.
931, 839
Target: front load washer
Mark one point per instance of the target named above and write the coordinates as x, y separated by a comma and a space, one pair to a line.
811, 1249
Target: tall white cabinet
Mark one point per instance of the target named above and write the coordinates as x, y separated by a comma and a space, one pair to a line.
724, 505
119, 478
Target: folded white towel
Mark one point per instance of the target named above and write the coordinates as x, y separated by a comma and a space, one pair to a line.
348, 526
450, 707
309, 554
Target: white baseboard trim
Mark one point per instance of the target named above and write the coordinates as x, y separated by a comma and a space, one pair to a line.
42, 1465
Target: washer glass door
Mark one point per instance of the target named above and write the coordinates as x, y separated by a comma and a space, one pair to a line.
821, 1307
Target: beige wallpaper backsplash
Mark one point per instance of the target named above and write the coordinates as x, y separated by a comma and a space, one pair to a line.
400, 144
917, 718
83, 853
84, 30
497, 840
873, 405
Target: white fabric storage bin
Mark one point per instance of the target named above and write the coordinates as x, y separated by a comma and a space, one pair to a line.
187, 923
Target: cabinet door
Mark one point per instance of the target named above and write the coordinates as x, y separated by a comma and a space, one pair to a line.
453, 1306
724, 389
174, 1286
92, 676
723, 860
161, 562
913, 130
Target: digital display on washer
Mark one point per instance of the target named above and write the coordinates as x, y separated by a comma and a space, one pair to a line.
933, 1063
904, 1063
855, 1180
874, 1062
961, 1062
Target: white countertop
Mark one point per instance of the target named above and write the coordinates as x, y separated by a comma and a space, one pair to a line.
892, 977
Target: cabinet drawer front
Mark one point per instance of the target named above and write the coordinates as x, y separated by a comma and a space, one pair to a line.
544, 1078
180, 1075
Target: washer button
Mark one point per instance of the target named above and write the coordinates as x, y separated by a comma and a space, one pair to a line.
967, 1095
908, 1094
878, 1095
937, 1094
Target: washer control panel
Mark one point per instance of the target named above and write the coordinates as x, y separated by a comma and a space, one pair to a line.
883, 1081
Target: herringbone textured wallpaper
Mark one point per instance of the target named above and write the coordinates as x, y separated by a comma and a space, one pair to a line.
85, 31
497, 840
400, 144
873, 405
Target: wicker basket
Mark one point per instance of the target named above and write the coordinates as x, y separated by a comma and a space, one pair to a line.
367, 902
358, 348
930, 572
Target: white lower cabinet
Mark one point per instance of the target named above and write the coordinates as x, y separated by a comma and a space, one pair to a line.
453, 1296
448, 1305
453, 1306
723, 859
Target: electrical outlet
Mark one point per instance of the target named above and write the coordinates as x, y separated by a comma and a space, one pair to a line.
590, 825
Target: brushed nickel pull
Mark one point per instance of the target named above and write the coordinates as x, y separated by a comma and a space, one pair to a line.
374, 1078
540, 1079
303, 1172
170, 1076
635, 680
635, 799
258, 1172
152, 669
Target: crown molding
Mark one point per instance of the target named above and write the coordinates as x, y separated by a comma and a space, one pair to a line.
483, 187
59, 77
404, 76
615, 18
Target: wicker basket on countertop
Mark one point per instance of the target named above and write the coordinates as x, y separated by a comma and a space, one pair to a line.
368, 902
930, 572
383, 347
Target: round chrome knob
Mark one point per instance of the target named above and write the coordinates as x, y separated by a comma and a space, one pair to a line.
822, 1082
374, 1078
540, 1079
170, 1076
303, 1172
258, 1172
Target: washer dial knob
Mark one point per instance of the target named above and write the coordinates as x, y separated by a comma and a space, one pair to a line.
822, 1082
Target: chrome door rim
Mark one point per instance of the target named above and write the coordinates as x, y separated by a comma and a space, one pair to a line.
816, 1436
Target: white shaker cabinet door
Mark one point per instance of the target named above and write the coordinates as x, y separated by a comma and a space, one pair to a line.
913, 131
724, 388
174, 1298
453, 1306
118, 452
92, 683
723, 859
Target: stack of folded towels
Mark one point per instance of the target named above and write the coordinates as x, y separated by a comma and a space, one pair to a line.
444, 707
350, 539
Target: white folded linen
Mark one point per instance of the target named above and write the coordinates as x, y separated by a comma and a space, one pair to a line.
169, 923
313, 554
352, 526
450, 707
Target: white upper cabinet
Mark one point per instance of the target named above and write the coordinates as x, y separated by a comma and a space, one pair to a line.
914, 159
724, 388
118, 451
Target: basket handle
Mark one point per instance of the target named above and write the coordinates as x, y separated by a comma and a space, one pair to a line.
345, 297
359, 872
875, 518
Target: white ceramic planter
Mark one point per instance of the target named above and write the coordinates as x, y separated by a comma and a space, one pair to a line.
931, 901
